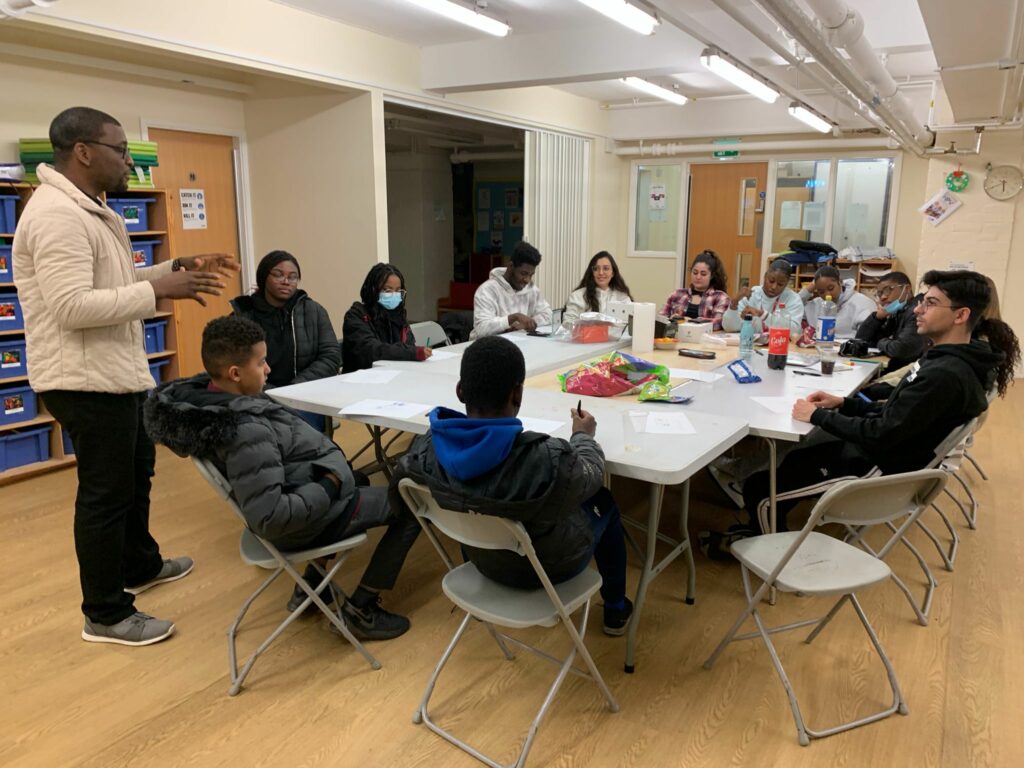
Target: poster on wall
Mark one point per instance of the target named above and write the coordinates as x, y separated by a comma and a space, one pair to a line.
483, 222
814, 216
483, 198
939, 207
656, 197
515, 219
511, 198
497, 239
498, 220
789, 214
193, 208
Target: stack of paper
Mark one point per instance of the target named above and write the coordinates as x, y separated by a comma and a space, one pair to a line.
32, 152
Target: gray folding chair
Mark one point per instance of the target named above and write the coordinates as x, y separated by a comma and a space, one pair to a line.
429, 331
808, 563
494, 604
257, 551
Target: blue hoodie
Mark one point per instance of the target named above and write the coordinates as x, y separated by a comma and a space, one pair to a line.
468, 448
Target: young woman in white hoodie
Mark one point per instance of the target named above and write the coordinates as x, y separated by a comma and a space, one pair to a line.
601, 283
759, 302
852, 307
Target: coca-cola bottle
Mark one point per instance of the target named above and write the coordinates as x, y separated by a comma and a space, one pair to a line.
778, 338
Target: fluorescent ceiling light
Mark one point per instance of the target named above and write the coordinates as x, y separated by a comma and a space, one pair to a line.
464, 15
805, 115
655, 90
726, 70
627, 15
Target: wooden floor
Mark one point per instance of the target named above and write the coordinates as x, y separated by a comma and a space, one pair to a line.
313, 701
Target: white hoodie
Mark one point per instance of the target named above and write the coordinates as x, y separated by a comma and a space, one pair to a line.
852, 308
495, 300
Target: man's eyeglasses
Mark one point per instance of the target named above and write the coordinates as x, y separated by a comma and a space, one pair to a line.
283, 278
121, 149
932, 303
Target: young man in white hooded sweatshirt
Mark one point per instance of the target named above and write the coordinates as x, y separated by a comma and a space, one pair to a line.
509, 301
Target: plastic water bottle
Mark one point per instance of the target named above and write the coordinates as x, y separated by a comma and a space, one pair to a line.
778, 338
747, 339
826, 325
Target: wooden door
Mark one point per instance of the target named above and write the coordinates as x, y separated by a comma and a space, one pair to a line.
198, 161
726, 214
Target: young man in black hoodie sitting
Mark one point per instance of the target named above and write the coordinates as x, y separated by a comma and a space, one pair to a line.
484, 462
946, 388
293, 485
892, 327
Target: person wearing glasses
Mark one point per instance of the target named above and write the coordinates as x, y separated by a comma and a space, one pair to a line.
301, 343
601, 284
84, 302
376, 327
892, 327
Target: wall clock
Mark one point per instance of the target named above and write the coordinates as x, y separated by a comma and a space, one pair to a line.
1003, 182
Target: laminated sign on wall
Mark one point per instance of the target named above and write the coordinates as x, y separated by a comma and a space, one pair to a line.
656, 197
193, 208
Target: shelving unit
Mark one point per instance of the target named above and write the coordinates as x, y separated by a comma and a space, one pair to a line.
866, 284
157, 212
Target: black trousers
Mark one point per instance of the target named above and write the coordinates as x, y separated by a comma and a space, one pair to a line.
815, 465
115, 467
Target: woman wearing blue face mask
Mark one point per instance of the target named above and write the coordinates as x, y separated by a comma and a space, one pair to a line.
892, 327
376, 327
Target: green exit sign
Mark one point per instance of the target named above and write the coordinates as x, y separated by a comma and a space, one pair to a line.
723, 153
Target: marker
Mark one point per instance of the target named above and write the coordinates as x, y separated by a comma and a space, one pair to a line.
806, 373
579, 409
759, 352
428, 342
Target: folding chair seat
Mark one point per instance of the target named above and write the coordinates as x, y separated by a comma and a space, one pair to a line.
808, 563
495, 604
257, 551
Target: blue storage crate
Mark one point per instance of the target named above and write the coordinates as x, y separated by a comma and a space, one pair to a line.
154, 369
11, 318
6, 264
7, 211
69, 449
13, 359
19, 448
155, 330
133, 210
142, 252
17, 404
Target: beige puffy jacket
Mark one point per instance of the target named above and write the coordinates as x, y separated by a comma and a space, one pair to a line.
82, 298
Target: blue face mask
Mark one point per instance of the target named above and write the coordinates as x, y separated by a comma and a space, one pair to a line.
390, 300
895, 306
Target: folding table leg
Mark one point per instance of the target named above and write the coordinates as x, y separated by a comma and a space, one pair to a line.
657, 493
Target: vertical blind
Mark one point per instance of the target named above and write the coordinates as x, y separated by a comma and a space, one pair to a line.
556, 210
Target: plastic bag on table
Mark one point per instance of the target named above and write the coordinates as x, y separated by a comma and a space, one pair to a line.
595, 328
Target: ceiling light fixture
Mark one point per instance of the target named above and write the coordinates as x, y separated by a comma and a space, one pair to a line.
464, 15
627, 15
655, 90
807, 117
727, 70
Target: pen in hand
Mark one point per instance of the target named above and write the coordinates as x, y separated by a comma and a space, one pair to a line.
579, 408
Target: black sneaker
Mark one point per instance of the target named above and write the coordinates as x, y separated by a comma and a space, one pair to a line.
372, 622
617, 619
312, 577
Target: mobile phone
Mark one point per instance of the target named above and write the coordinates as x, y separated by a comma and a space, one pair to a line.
697, 353
537, 333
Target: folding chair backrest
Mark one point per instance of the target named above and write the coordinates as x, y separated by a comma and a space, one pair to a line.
874, 500
953, 442
470, 528
212, 475
428, 329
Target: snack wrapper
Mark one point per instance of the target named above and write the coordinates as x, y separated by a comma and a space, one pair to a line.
611, 375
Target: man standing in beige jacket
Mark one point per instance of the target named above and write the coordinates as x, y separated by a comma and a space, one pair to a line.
84, 303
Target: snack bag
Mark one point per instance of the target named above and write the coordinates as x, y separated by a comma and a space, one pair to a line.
611, 375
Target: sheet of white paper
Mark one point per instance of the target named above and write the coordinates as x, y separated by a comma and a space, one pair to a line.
547, 426
789, 215
682, 373
370, 376
803, 389
667, 423
780, 405
398, 409
543, 329
440, 354
814, 216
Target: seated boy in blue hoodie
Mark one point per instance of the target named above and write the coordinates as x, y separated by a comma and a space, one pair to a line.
484, 462
294, 486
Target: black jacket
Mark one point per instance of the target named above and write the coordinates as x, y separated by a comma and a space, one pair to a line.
274, 461
301, 343
541, 484
380, 334
947, 388
896, 335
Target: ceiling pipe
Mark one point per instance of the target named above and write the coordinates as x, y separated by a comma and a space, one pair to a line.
10, 9
796, 23
1013, 91
671, 148
472, 157
952, 150
845, 29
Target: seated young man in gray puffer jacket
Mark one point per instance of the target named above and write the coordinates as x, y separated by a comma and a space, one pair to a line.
293, 485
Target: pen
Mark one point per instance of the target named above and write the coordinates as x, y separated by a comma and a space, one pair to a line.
806, 373
758, 351
428, 342
579, 409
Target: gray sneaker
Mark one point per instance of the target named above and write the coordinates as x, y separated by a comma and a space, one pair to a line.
172, 570
137, 629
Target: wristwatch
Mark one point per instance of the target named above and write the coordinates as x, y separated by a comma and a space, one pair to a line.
176, 265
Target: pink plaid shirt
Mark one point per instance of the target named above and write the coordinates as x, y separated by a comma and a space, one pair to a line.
713, 304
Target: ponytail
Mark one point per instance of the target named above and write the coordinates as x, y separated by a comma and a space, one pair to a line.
1001, 338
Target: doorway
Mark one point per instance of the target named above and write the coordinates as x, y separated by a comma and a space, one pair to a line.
726, 215
198, 162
